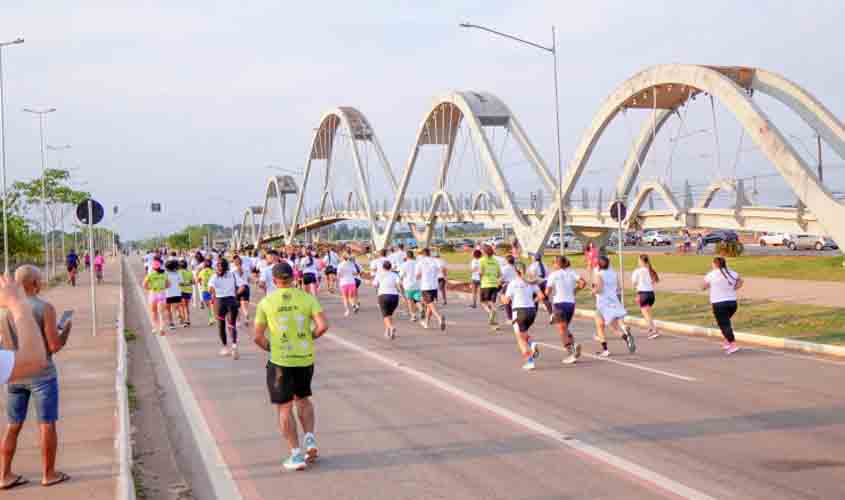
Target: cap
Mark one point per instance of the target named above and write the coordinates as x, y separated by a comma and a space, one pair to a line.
283, 271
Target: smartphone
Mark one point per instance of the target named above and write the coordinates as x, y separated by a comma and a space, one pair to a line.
66, 316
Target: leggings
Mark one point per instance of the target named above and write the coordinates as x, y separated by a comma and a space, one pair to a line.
227, 309
723, 311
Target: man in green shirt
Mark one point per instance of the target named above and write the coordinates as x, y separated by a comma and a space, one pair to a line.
288, 313
491, 274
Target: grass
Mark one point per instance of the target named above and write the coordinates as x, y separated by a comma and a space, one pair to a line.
138, 483
133, 397
129, 335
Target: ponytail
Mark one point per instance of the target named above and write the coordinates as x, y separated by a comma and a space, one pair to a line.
723, 268
655, 278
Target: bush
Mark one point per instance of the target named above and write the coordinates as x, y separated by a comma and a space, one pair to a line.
729, 248
447, 248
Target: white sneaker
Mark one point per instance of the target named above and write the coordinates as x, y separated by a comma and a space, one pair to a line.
529, 365
235, 354
653, 335
603, 354
224, 352
346, 313
732, 349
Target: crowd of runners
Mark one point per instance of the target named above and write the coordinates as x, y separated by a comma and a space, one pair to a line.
289, 316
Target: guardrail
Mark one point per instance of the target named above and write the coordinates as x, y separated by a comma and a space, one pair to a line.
123, 440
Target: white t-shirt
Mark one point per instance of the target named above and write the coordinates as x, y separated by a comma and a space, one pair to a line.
535, 268
331, 260
346, 273
243, 275
642, 280
521, 294
376, 265
266, 277
428, 270
441, 264
308, 265
608, 291
508, 273
175, 280
7, 364
475, 269
721, 289
563, 283
396, 259
408, 273
262, 265
247, 265
226, 285
387, 283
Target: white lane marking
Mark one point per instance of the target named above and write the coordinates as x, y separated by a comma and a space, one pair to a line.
219, 475
641, 473
629, 365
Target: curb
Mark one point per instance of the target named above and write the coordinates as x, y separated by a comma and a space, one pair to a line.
123, 441
701, 331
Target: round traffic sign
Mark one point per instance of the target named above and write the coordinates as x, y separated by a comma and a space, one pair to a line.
618, 211
82, 212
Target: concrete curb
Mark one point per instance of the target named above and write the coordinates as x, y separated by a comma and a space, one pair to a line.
701, 331
123, 440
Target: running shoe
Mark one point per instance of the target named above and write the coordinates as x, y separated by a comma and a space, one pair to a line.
424, 324
574, 354
186, 324
732, 349
224, 352
235, 354
653, 334
603, 354
171, 327
492, 317
726, 345
392, 333
535, 349
576, 350
311, 452
443, 323
295, 462
529, 365
629, 340
210, 321
387, 333
346, 314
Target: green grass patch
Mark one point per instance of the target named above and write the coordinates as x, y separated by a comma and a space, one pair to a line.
129, 335
132, 396
138, 483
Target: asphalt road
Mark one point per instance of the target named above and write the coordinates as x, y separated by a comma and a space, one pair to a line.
452, 415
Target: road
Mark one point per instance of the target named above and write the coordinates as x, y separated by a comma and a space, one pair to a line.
452, 415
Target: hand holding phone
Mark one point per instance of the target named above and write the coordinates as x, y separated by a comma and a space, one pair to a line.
63, 321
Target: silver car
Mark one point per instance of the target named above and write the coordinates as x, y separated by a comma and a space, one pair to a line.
810, 242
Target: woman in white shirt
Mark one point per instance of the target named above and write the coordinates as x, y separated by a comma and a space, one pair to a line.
538, 269
508, 275
387, 282
224, 287
520, 297
243, 269
442, 275
308, 266
475, 278
410, 285
609, 310
561, 287
347, 273
723, 284
644, 278
173, 292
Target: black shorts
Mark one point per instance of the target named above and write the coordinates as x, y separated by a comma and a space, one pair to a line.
476, 283
174, 300
563, 311
429, 296
489, 294
186, 296
525, 317
284, 383
387, 304
243, 295
441, 282
309, 279
357, 283
330, 270
645, 299
72, 269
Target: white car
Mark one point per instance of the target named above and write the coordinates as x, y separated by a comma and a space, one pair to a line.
657, 238
775, 239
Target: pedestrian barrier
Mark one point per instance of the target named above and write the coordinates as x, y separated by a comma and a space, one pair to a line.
123, 440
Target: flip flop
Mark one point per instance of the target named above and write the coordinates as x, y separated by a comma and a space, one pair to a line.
60, 478
19, 481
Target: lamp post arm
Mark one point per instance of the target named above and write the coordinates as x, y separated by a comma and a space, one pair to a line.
514, 38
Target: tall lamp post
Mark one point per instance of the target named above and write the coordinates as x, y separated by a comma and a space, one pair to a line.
42, 114
553, 51
59, 149
17, 41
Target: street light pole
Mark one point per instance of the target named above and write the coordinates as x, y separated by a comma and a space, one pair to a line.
41, 115
3, 157
58, 149
553, 51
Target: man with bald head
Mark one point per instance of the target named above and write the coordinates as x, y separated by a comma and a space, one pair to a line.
42, 387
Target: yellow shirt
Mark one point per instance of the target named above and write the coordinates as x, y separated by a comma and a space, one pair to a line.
287, 314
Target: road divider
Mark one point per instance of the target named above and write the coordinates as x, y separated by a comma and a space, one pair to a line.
123, 440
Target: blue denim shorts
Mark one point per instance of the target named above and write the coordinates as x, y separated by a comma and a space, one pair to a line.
45, 395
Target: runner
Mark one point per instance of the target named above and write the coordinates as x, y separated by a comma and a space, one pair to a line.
561, 287
174, 291
491, 274
155, 282
347, 273
72, 262
99, 263
723, 284
387, 283
308, 266
225, 287
508, 275
520, 297
427, 272
538, 269
87, 260
376, 263
609, 310
243, 272
291, 366
148, 261
442, 275
331, 261
187, 289
203, 276
410, 285
644, 277
591, 257
475, 276
265, 280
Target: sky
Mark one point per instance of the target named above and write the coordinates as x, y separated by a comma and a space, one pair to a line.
185, 102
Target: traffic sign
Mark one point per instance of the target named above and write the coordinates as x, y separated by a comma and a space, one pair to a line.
82, 212
618, 211
155, 207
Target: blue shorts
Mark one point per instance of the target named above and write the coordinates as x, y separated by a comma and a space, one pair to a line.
45, 395
563, 311
206, 296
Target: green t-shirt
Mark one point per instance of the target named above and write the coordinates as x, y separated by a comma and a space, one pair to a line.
490, 272
205, 276
187, 285
157, 281
287, 315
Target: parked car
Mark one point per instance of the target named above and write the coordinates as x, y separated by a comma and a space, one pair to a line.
809, 241
775, 239
720, 236
495, 242
657, 238
554, 240
439, 242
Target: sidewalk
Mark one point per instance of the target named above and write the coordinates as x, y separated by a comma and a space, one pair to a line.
88, 402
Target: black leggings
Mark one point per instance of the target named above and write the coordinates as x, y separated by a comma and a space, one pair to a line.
227, 306
723, 311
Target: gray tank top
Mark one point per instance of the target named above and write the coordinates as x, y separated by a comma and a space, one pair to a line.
38, 311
